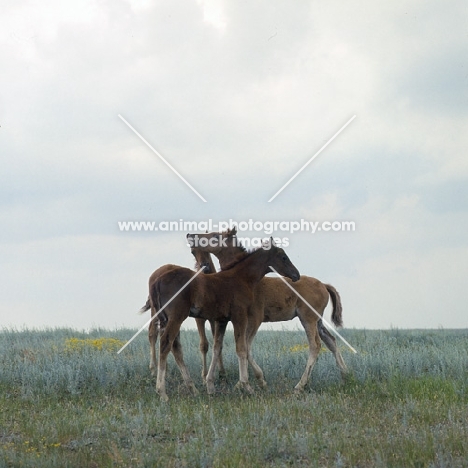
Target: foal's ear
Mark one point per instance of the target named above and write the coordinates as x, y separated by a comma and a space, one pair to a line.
272, 242
231, 232
266, 244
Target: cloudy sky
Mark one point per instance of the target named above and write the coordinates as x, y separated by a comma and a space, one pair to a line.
237, 96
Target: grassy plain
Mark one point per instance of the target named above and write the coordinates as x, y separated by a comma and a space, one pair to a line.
68, 400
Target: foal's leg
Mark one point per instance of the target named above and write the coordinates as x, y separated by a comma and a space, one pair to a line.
330, 342
240, 332
220, 330
179, 358
168, 335
203, 345
310, 326
153, 332
252, 329
220, 363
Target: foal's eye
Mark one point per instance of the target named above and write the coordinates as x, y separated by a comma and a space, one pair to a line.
285, 258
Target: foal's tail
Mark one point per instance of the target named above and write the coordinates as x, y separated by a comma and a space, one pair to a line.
145, 308
337, 318
155, 294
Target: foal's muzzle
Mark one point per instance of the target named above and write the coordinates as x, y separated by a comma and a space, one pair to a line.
295, 277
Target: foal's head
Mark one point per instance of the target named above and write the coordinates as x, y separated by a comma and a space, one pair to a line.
203, 260
224, 245
278, 259
213, 242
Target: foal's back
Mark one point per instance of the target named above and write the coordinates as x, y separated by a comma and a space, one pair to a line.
213, 296
280, 303
169, 284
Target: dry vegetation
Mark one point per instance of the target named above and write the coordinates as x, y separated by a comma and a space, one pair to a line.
67, 399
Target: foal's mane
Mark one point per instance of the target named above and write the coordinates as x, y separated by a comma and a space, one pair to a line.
242, 254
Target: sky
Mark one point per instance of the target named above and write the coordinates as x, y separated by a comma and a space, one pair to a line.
237, 96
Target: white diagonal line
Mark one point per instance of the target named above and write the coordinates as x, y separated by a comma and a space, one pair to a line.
312, 158
161, 157
160, 310
316, 313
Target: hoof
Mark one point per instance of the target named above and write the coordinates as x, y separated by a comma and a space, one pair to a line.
262, 383
162, 394
298, 390
194, 390
210, 388
244, 387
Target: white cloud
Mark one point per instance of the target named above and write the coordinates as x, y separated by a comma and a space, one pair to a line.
420, 290
79, 280
213, 14
237, 96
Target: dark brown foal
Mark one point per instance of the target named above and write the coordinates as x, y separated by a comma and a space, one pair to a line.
277, 301
223, 297
203, 259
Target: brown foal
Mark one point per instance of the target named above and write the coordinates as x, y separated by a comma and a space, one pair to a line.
223, 297
277, 301
203, 259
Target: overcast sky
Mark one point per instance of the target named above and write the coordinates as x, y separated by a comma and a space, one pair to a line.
237, 96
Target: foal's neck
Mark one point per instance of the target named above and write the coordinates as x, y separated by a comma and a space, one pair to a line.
229, 256
254, 266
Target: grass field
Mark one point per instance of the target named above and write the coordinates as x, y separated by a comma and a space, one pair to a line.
67, 399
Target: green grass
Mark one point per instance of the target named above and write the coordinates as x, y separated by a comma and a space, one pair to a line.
67, 399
